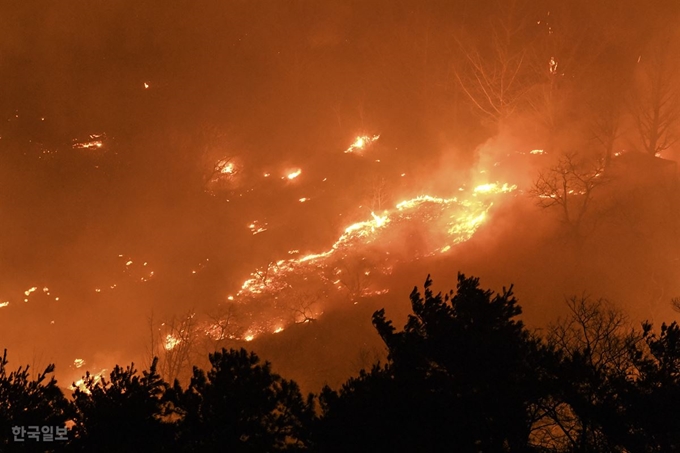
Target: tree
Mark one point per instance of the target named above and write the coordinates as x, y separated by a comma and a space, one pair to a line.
655, 100
302, 308
571, 186
172, 344
463, 369
653, 404
241, 406
496, 78
378, 194
354, 274
124, 413
25, 402
594, 345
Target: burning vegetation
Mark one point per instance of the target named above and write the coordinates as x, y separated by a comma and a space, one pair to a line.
178, 183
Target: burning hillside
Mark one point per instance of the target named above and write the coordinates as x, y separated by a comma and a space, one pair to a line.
352, 268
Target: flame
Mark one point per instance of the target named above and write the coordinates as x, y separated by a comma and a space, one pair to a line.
4, 304
227, 168
170, 342
361, 143
30, 290
256, 228
95, 142
80, 383
445, 222
294, 174
78, 363
494, 188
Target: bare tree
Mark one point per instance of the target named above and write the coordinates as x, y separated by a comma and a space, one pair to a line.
378, 194
173, 343
263, 274
570, 185
222, 328
598, 329
302, 310
598, 334
496, 78
605, 127
354, 273
655, 101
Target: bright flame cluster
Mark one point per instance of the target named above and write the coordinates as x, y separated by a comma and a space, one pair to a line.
361, 143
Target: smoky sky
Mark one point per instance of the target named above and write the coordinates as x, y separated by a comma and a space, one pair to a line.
169, 89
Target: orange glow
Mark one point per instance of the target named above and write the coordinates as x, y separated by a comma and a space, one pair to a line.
361, 143
171, 342
294, 174
494, 188
94, 142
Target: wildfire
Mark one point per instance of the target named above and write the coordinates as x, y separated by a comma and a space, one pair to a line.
355, 262
80, 383
78, 363
294, 174
170, 342
494, 188
226, 167
95, 142
4, 304
256, 228
361, 143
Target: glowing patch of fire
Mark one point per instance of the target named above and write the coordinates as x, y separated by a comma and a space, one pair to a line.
171, 342
494, 188
361, 143
294, 174
95, 142
226, 167
80, 383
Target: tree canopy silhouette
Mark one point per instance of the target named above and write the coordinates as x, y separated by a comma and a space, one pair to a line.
239, 405
463, 375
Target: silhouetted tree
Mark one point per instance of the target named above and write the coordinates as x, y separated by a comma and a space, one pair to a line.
655, 101
570, 185
653, 405
496, 73
463, 375
122, 414
594, 373
25, 402
241, 406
